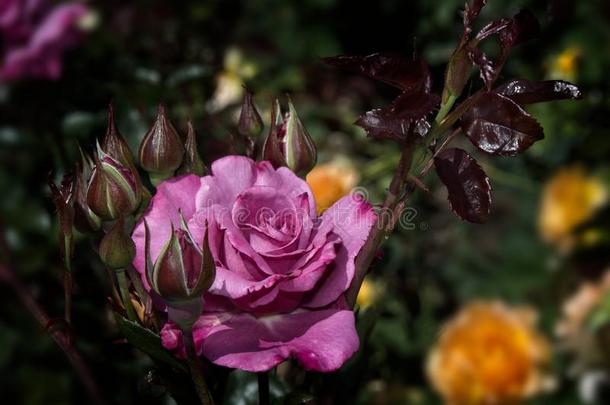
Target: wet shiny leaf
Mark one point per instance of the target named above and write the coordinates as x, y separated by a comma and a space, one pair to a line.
394, 69
499, 126
467, 184
525, 92
407, 113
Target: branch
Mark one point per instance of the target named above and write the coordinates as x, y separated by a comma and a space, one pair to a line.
62, 340
384, 224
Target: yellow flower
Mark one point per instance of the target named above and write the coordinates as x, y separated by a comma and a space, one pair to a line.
565, 65
368, 294
569, 199
489, 353
331, 181
229, 82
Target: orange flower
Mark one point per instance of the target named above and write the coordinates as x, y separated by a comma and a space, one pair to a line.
569, 199
331, 181
489, 354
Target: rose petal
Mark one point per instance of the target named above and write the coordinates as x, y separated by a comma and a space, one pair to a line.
233, 174
351, 218
320, 340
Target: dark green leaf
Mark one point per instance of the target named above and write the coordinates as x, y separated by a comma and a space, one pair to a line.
148, 342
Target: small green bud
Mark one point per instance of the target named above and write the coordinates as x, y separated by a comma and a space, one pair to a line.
183, 270
113, 190
288, 143
192, 161
117, 249
161, 151
250, 122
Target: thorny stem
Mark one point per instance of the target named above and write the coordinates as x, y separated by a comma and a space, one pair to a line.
396, 199
384, 223
125, 296
442, 147
195, 367
63, 341
263, 388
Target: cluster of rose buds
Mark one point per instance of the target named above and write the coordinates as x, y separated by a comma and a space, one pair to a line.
108, 195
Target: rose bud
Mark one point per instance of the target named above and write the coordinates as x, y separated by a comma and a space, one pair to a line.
181, 273
250, 122
116, 249
192, 161
85, 220
114, 144
183, 270
161, 150
457, 74
288, 143
113, 190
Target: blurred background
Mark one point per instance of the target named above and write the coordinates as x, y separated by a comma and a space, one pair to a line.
535, 275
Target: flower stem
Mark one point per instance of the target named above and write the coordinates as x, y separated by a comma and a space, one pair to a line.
68, 296
125, 296
68, 279
263, 388
445, 108
194, 364
393, 203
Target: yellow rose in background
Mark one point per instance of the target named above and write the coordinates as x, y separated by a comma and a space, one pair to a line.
489, 353
331, 181
569, 199
565, 65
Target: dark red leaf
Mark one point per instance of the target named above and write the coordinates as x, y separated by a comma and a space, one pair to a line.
471, 12
522, 27
510, 32
487, 69
406, 114
467, 184
391, 68
526, 92
499, 126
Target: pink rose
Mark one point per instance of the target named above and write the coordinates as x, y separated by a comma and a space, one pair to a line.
281, 269
35, 37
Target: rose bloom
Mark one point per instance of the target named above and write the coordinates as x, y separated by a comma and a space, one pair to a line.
331, 181
489, 353
281, 270
35, 34
569, 199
